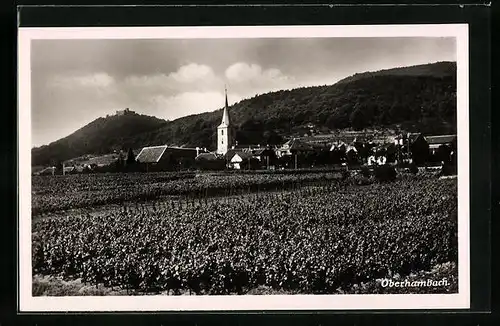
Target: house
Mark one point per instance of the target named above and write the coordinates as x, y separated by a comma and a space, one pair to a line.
442, 148
408, 138
351, 139
235, 158
209, 161
260, 157
267, 157
104, 160
443, 140
230, 153
46, 171
69, 170
165, 157
74, 169
343, 147
379, 160
206, 156
294, 146
37, 169
383, 139
388, 150
265, 154
240, 159
151, 155
413, 148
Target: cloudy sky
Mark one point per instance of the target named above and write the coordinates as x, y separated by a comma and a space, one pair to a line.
77, 81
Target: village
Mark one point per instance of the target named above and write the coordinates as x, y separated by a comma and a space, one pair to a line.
349, 149
297, 181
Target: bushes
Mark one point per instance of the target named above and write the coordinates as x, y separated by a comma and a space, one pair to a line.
345, 175
448, 169
365, 171
381, 173
385, 173
360, 180
413, 168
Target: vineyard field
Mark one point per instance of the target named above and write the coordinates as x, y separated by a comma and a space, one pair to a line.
56, 193
313, 233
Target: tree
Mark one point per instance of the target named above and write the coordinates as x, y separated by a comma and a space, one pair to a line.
272, 138
130, 157
331, 121
385, 117
364, 150
358, 119
117, 165
242, 137
340, 117
59, 167
385, 173
419, 151
352, 157
444, 153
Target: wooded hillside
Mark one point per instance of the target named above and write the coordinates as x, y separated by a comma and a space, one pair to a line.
420, 98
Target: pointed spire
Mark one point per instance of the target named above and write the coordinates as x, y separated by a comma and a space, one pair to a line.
225, 114
225, 93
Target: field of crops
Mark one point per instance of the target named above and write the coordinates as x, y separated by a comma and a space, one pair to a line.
310, 239
54, 193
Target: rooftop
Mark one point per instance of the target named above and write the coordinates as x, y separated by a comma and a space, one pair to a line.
206, 156
151, 154
441, 139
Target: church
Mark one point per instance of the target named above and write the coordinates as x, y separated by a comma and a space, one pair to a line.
238, 157
224, 132
164, 157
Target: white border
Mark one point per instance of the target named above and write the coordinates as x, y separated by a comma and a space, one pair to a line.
27, 303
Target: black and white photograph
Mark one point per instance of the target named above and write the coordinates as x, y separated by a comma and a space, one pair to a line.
243, 168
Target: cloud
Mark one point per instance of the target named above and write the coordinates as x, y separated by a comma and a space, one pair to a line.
187, 103
249, 79
95, 80
193, 73
190, 77
242, 72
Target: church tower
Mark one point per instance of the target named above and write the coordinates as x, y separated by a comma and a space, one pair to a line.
224, 131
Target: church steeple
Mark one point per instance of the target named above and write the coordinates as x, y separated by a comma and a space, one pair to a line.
224, 136
225, 114
225, 93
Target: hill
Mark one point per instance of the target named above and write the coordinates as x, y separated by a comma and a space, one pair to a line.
419, 98
441, 69
101, 136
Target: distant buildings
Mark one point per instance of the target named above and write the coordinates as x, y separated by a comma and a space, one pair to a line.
124, 112
238, 159
435, 142
363, 147
294, 146
165, 157
351, 147
45, 171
